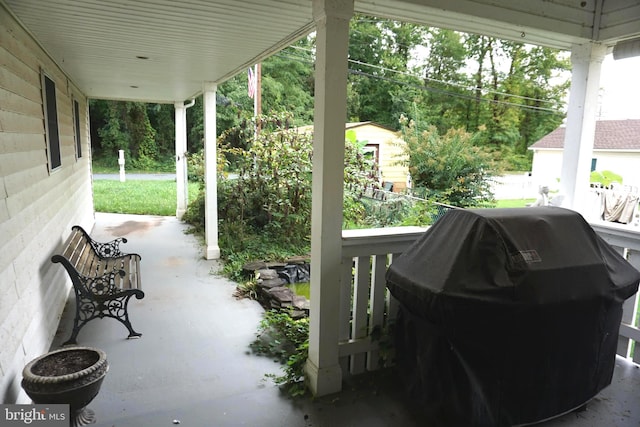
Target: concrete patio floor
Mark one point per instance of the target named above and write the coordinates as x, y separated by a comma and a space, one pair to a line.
193, 364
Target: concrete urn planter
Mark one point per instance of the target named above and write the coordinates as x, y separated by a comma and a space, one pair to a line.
71, 375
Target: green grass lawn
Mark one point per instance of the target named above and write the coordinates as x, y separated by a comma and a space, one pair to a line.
138, 196
513, 203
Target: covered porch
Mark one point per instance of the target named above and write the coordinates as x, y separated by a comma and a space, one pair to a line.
159, 51
193, 362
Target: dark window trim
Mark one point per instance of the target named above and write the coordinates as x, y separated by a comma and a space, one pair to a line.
52, 134
76, 127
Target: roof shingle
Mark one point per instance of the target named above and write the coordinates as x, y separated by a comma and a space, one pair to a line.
610, 135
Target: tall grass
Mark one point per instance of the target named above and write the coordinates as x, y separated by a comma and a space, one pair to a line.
138, 196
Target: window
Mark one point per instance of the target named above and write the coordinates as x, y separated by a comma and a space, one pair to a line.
76, 126
594, 162
51, 122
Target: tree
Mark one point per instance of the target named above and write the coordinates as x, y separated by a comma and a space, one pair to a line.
448, 168
287, 82
444, 100
380, 87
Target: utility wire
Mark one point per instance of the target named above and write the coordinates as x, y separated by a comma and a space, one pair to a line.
434, 89
456, 95
460, 85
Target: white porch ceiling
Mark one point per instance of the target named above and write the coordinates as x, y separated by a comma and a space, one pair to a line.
102, 44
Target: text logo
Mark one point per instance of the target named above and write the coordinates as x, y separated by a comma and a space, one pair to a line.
34, 415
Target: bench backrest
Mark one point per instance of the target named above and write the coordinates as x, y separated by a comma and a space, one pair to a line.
80, 254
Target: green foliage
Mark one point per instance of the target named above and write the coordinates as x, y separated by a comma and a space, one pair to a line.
510, 160
273, 190
420, 213
606, 178
287, 340
385, 213
448, 168
265, 213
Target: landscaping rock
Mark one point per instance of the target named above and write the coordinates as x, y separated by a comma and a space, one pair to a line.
301, 303
272, 278
298, 314
267, 274
254, 265
275, 265
271, 283
301, 259
282, 294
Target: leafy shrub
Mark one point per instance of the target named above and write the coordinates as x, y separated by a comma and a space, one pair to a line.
448, 168
605, 178
265, 213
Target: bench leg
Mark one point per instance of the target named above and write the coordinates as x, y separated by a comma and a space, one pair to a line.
86, 310
118, 309
74, 334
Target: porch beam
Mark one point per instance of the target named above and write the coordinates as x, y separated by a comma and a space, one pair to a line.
586, 61
331, 17
181, 164
210, 172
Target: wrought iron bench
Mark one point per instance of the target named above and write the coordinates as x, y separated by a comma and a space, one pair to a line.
104, 279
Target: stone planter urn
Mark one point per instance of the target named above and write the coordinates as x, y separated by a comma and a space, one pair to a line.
71, 375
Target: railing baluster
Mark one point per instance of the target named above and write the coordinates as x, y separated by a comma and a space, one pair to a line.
360, 306
630, 307
376, 318
392, 303
365, 301
344, 334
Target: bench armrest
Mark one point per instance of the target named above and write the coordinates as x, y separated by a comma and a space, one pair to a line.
107, 249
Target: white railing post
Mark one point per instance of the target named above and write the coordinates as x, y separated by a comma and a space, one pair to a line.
630, 317
626, 241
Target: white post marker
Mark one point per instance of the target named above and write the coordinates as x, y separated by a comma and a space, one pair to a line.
121, 163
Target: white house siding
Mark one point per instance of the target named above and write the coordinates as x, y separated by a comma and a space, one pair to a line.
547, 164
37, 208
624, 163
546, 167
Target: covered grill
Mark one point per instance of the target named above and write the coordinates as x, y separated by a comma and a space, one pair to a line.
508, 316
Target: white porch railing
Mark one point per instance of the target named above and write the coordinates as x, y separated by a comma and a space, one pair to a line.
626, 240
367, 308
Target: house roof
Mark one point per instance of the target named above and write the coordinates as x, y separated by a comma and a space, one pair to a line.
610, 135
164, 50
350, 125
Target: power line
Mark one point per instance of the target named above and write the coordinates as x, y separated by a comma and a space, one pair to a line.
437, 90
462, 86
456, 95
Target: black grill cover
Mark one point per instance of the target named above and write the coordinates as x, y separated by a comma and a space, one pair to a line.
508, 316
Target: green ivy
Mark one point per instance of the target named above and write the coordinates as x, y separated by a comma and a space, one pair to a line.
286, 340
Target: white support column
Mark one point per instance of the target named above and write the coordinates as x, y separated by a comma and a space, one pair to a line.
332, 38
181, 163
210, 172
586, 60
